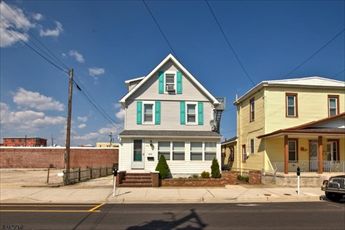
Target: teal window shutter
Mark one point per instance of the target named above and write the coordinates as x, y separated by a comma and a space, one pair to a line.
179, 82
183, 112
161, 82
200, 113
139, 112
157, 113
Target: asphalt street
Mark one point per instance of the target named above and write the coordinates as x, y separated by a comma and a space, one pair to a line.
299, 215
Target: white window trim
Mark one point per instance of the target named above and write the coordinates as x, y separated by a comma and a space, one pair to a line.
196, 113
169, 72
153, 112
296, 150
294, 105
202, 151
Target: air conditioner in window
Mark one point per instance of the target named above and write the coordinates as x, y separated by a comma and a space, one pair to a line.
170, 88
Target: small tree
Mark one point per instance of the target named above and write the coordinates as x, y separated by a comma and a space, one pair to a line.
215, 173
163, 168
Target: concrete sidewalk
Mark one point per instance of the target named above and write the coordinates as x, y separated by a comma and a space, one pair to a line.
100, 190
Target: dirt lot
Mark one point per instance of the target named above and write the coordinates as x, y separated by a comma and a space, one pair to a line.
11, 178
17, 178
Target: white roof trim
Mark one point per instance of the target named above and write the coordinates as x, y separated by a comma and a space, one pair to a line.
134, 79
170, 57
305, 82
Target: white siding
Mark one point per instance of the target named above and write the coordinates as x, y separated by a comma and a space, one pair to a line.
177, 168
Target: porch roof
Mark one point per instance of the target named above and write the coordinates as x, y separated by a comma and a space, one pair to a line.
318, 127
317, 132
169, 133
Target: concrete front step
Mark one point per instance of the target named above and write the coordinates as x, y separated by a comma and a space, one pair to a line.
136, 185
136, 181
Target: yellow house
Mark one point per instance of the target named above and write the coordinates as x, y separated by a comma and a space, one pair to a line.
285, 124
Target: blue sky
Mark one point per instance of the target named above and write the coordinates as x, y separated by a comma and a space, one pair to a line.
107, 42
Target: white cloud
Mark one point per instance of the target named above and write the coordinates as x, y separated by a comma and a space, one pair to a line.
37, 16
14, 25
81, 126
77, 56
26, 119
100, 134
52, 32
82, 119
36, 100
95, 72
120, 114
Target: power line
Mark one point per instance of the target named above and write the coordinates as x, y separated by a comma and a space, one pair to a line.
335, 75
158, 26
38, 53
316, 52
81, 89
47, 50
228, 42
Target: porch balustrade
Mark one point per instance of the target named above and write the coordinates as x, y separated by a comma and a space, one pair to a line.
309, 166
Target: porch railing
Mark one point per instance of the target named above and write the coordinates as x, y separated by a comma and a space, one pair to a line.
309, 166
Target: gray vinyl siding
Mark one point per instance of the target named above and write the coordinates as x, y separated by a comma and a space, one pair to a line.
170, 118
149, 91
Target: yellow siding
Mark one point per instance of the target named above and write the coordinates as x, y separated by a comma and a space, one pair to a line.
250, 130
312, 105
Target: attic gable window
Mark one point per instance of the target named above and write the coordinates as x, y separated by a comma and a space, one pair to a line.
170, 79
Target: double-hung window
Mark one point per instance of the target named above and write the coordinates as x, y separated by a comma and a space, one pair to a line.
252, 145
196, 151
178, 151
333, 150
164, 149
210, 150
333, 105
191, 113
252, 110
293, 148
291, 105
170, 85
148, 114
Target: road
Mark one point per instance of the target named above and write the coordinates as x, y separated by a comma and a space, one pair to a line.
310, 215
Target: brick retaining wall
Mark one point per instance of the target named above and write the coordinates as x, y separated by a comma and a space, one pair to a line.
43, 157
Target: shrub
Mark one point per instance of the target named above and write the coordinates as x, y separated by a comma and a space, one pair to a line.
205, 174
195, 176
215, 173
243, 178
163, 168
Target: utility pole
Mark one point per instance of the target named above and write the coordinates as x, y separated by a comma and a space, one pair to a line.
68, 127
111, 138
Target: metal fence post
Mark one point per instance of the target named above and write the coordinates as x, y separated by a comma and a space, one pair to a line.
79, 178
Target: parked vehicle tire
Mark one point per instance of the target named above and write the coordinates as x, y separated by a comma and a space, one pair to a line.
333, 196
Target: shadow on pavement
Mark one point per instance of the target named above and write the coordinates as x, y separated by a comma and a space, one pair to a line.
193, 218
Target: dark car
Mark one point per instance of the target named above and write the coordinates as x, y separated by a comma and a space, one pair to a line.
334, 187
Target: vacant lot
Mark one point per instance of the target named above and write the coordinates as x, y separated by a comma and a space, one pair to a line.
11, 178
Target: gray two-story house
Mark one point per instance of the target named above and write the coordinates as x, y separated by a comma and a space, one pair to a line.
168, 112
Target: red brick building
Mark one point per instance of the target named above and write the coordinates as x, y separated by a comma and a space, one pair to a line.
25, 141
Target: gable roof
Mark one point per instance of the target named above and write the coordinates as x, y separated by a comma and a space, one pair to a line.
311, 127
305, 82
170, 57
134, 80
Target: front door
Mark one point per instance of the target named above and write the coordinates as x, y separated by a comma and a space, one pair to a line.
313, 156
138, 159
